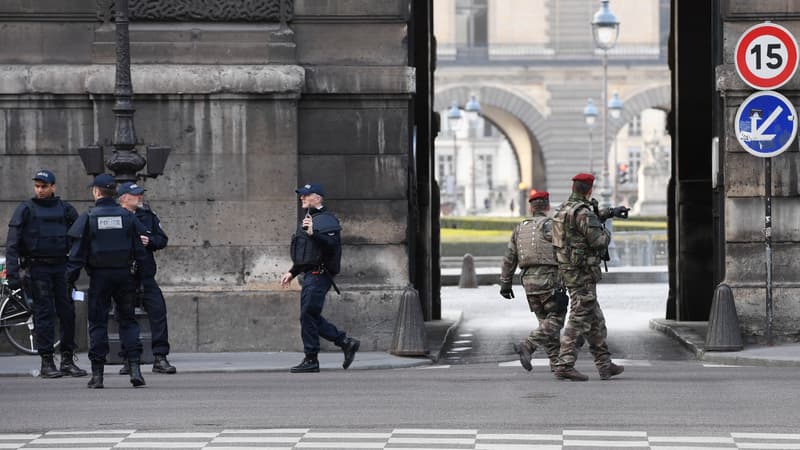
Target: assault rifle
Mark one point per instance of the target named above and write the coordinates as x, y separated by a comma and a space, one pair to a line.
619, 211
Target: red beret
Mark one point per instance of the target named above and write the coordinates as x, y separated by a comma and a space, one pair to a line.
538, 195
584, 178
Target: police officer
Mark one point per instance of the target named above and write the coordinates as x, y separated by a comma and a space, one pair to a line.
37, 241
316, 252
106, 241
130, 197
531, 248
581, 240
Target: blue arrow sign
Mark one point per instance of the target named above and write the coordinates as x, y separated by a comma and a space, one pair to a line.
766, 124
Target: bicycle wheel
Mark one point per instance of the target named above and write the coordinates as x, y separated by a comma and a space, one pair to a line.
16, 319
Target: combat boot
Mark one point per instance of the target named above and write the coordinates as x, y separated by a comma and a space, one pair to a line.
97, 376
569, 373
309, 364
68, 366
126, 368
523, 349
49, 367
611, 371
161, 365
350, 347
136, 372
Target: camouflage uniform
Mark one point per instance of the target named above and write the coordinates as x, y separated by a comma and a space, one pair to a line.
531, 248
580, 239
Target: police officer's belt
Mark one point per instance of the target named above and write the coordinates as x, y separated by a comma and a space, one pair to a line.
51, 261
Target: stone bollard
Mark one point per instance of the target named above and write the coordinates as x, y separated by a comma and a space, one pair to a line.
468, 278
723, 334
409, 329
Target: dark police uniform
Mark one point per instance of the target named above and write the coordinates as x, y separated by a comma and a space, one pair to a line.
37, 240
318, 257
106, 242
152, 298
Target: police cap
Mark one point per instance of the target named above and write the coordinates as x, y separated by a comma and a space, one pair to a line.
104, 180
130, 188
45, 176
310, 188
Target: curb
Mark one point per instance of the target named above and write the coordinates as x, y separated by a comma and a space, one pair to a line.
691, 336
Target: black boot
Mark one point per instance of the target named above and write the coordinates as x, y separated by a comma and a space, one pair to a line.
309, 364
68, 366
126, 368
97, 375
161, 365
49, 367
136, 373
350, 347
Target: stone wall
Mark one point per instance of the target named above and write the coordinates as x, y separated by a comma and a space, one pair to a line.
744, 178
250, 110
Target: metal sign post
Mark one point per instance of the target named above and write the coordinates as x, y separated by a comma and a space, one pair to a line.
766, 125
768, 242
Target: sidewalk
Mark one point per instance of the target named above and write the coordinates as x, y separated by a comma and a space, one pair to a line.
692, 335
226, 362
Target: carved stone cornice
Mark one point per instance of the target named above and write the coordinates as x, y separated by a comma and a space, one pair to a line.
202, 10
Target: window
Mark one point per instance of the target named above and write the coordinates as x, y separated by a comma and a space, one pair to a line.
634, 161
635, 126
485, 168
472, 24
445, 166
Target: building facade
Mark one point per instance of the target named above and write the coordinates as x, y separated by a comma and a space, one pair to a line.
254, 98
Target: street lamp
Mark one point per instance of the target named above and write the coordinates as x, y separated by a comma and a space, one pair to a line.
605, 28
590, 115
125, 161
453, 116
615, 108
474, 108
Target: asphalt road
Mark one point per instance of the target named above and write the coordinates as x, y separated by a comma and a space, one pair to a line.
664, 390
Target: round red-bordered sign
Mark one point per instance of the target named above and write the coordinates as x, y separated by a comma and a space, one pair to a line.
766, 56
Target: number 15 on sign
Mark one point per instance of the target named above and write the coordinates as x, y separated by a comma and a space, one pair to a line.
766, 56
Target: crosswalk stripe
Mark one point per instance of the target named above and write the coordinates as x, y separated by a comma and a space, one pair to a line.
609, 444
349, 435
161, 444
691, 439
611, 433
257, 440
432, 431
517, 447
75, 440
521, 437
340, 445
8, 445
682, 447
765, 436
432, 440
765, 446
268, 431
18, 437
140, 435
56, 432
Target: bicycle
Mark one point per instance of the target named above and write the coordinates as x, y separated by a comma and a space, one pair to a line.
16, 320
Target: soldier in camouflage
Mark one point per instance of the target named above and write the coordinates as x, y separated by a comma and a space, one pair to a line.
580, 241
531, 248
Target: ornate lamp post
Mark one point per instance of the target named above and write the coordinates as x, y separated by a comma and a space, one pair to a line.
125, 161
453, 116
615, 109
605, 28
474, 108
590, 114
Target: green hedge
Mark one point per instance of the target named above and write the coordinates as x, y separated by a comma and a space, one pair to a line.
508, 223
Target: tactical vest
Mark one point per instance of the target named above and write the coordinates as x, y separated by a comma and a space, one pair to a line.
46, 233
111, 237
532, 247
305, 252
572, 248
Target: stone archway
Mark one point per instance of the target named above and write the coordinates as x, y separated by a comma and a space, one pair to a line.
658, 97
516, 116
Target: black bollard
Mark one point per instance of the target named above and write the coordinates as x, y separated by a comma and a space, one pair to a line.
723, 334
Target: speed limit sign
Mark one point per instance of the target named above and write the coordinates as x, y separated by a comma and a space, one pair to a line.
766, 56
